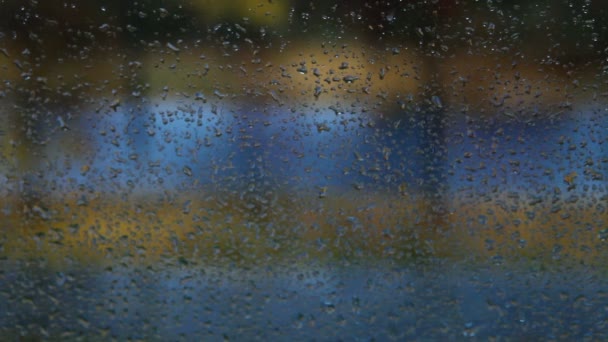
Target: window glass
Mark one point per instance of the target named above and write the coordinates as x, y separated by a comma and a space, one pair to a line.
307, 170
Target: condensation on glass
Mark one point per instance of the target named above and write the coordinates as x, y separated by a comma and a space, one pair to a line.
307, 170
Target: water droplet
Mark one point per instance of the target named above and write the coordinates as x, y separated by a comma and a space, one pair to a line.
84, 169
437, 101
163, 12
350, 78
329, 307
62, 124
302, 69
186, 207
60, 278
318, 90
173, 47
200, 97
322, 192
84, 322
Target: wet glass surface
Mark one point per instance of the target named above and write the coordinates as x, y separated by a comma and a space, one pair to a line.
303, 170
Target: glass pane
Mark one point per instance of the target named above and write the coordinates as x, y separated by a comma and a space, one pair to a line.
307, 170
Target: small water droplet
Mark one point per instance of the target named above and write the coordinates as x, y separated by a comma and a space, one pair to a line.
173, 47
60, 278
350, 78
437, 101
322, 192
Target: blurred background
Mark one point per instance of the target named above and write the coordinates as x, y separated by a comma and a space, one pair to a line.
175, 136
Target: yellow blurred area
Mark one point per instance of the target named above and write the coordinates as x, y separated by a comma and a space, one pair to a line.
273, 13
101, 231
530, 230
512, 87
352, 72
8, 71
350, 75
49, 78
347, 72
195, 70
191, 228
